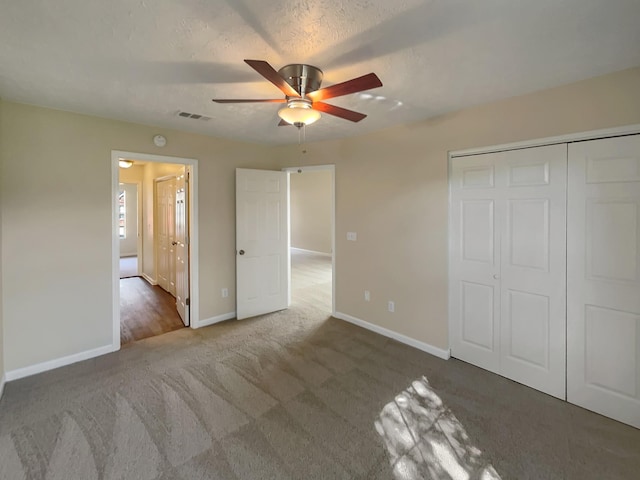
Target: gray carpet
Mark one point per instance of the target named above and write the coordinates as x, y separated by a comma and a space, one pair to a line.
296, 395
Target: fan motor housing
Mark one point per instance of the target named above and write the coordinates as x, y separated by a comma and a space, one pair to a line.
304, 78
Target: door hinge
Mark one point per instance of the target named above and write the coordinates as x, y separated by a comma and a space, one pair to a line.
187, 302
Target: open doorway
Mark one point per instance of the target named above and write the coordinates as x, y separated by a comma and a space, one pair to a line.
154, 255
312, 244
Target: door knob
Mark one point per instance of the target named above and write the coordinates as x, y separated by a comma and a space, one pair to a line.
241, 252
496, 276
174, 243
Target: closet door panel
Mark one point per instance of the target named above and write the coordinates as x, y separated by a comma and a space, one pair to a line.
474, 293
533, 268
603, 288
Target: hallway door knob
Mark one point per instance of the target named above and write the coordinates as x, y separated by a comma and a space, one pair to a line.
174, 243
241, 252
496, 276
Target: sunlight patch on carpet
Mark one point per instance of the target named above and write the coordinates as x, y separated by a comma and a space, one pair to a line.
425, 440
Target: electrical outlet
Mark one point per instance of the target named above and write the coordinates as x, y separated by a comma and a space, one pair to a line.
225, 293
391, 306
367, 296
353, 236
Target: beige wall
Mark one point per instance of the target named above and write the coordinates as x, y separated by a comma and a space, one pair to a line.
311, 210
391, 188
56, 183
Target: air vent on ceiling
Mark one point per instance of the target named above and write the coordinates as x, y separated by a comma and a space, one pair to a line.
194, 116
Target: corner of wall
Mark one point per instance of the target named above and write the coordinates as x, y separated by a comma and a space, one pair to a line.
2, 372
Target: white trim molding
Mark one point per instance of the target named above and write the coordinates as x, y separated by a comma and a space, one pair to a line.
412, 342
149, 280
3, 380
194, 273
304, 250
58, 362
213, 320
539, 142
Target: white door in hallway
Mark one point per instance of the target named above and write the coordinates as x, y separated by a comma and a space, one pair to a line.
166, 218
262, 238
507, 264
603, 311
182, 245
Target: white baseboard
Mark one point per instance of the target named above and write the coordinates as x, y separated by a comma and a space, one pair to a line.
3, 380
425, 347
58, 362
149, 279
303, 250
217, 319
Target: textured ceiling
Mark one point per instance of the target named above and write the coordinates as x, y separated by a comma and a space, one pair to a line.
145, 60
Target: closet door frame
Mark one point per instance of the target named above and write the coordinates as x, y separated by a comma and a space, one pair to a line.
561, 139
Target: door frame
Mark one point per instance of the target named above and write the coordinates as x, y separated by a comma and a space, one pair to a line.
313, 168
194, 289
537, 142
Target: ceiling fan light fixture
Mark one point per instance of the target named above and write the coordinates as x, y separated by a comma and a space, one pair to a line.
299, 112
125, 163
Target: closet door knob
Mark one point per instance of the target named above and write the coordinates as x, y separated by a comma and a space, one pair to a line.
241, 252
496, 276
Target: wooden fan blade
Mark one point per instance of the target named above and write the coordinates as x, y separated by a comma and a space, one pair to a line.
248, 100
268, 72
284, 124
366, 82
339, 111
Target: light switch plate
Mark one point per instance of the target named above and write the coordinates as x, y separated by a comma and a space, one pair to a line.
353, 236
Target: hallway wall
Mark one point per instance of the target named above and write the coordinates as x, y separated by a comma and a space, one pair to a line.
311, 206
56, 184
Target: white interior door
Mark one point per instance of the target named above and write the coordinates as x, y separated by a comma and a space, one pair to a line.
603, 311
508, 270
533, 267
165, 218
182, 246
262, 236
474, 290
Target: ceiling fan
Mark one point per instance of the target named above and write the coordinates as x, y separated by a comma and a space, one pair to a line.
300, 84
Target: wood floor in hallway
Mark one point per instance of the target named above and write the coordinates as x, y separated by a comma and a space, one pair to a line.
145, 310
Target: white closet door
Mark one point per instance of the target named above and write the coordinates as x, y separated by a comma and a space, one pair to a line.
474, 288
533, 268
603, 311
508, 264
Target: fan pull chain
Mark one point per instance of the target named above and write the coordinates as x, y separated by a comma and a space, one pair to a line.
302, 133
